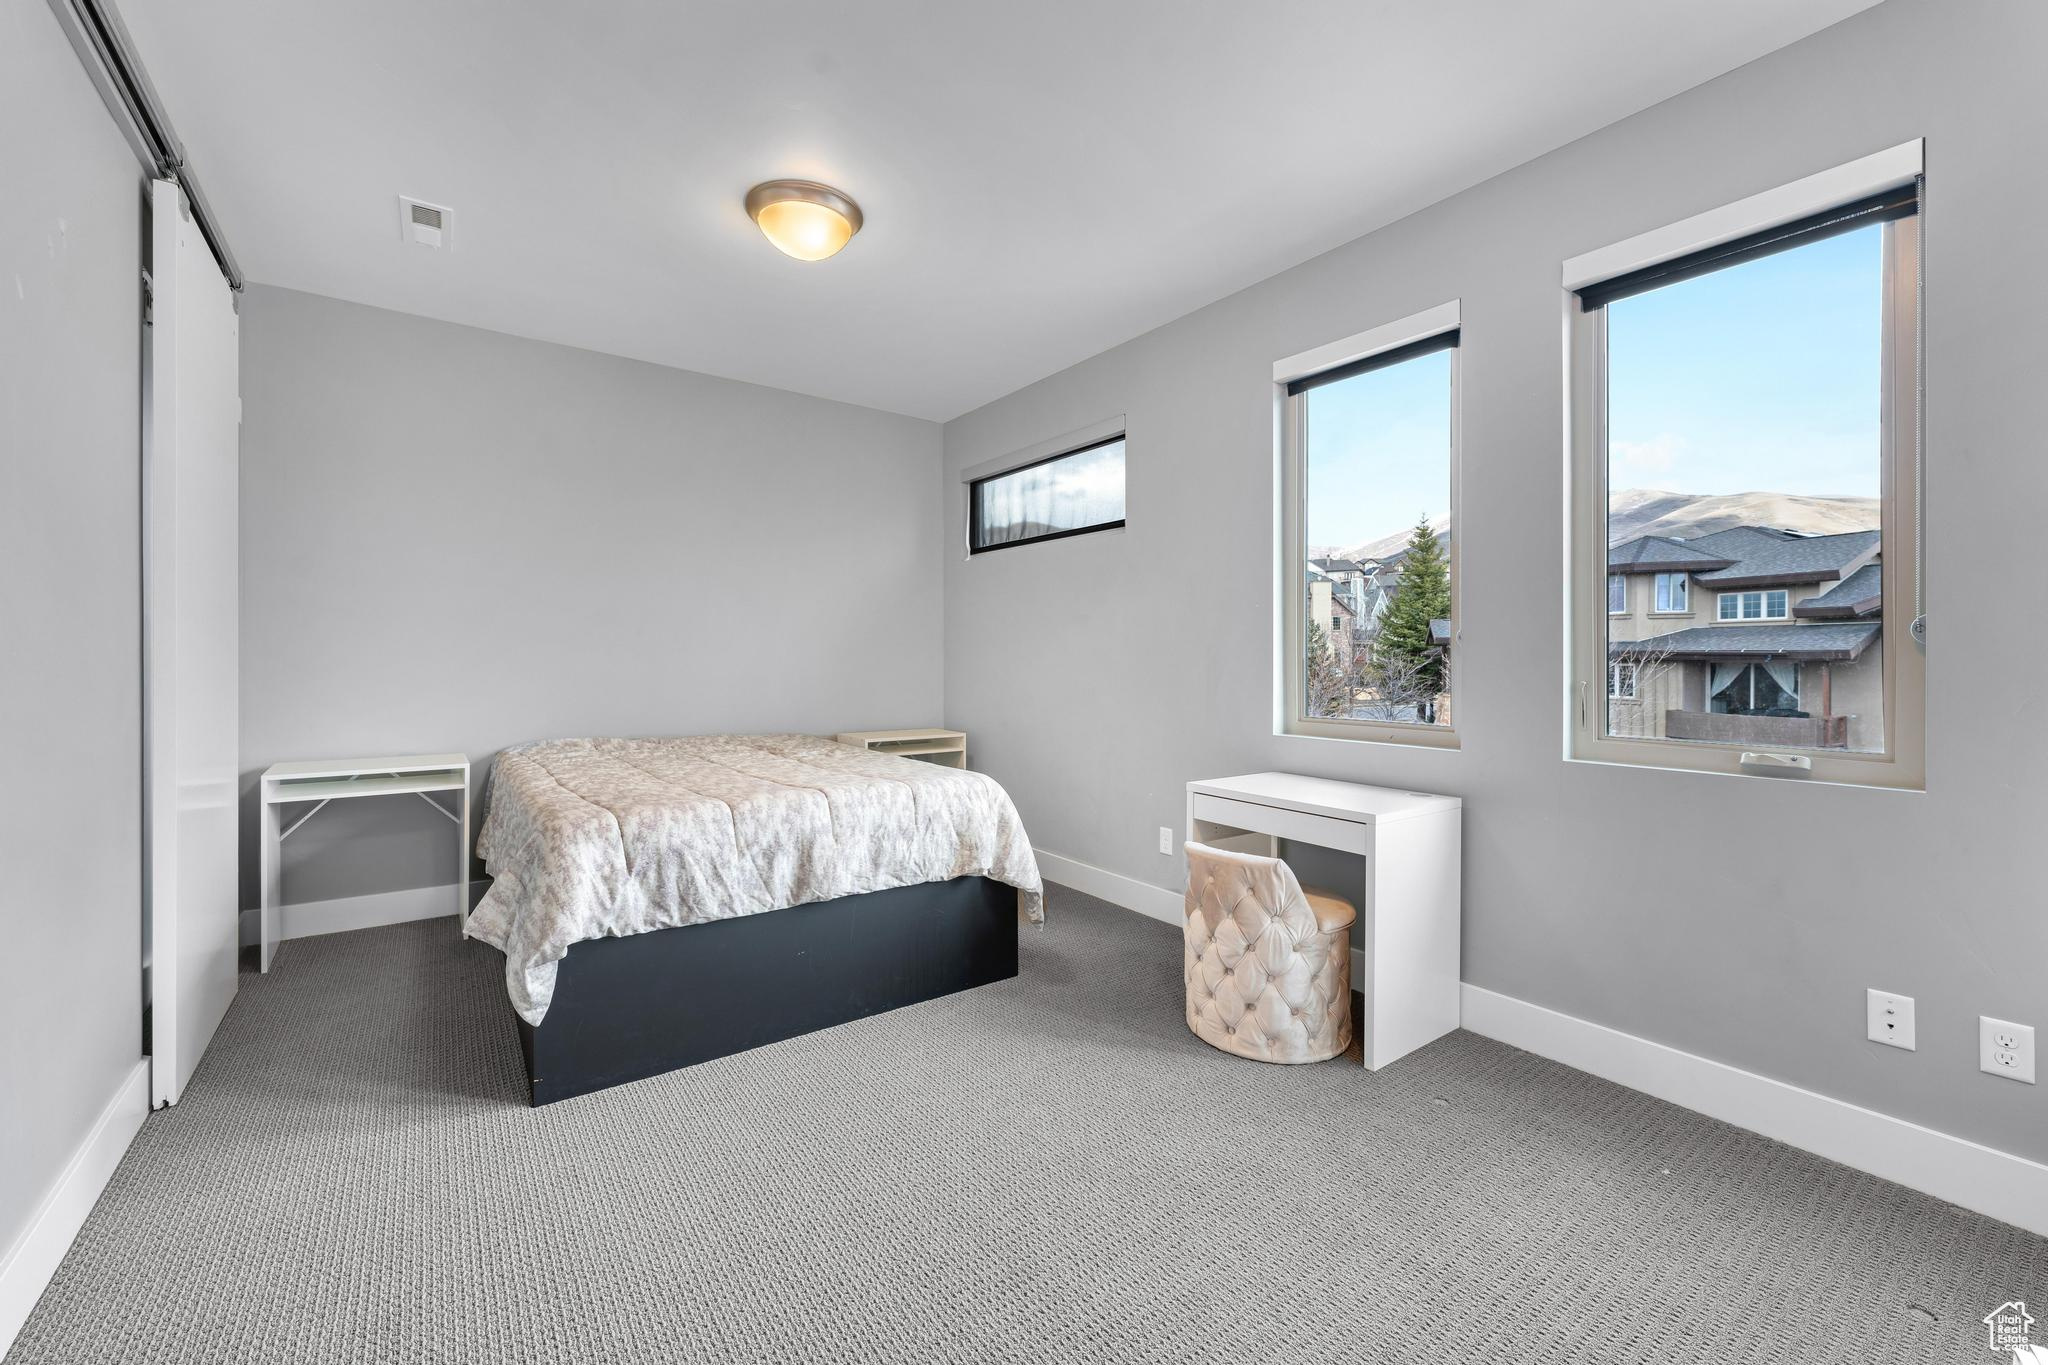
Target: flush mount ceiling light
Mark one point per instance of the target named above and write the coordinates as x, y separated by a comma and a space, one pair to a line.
803, 218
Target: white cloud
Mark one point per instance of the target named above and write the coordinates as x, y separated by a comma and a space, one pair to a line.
1657, 454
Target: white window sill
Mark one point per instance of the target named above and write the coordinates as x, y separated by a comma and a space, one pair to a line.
1441, 739
1833, 783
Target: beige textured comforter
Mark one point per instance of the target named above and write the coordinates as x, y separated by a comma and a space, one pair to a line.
586, 838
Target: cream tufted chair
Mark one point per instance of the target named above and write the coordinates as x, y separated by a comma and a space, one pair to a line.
1268, 965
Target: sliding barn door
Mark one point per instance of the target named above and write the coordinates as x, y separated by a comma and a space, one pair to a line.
191, 455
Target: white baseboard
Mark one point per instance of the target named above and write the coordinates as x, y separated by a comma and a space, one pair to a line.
340, 915
1155, 902
26, 1270
1982, 1179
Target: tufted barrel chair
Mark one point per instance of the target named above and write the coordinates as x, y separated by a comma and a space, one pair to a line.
1268, 965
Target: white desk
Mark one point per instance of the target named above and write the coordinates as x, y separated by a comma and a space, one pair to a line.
322, 780
1410, 914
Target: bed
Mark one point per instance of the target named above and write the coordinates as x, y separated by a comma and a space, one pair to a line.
662, 902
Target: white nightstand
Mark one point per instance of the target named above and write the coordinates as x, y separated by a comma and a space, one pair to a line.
322, 780
948, 748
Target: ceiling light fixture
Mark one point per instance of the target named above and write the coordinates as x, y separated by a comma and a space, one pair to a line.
803, 218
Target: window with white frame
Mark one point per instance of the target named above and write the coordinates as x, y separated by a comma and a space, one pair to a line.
1754, 606
1368, 457
1746, 414
1617, 594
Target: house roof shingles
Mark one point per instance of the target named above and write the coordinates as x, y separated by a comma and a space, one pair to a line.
1860, 594
1661, 554
1765, 558
1832, 642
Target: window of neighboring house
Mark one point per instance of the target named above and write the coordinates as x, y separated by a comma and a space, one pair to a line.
1765, 689
1062, 495
1775, 605
1617, 594
1751, 408
1368, 470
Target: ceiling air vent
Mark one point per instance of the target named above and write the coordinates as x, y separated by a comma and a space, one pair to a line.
426, 224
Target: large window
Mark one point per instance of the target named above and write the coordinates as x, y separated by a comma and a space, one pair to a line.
1062, 495
1367, 476
1745, 418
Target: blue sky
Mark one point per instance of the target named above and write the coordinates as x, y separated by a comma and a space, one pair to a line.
1762, 377
1379, 452
1759, 378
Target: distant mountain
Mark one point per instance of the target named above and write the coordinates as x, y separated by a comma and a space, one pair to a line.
1651, 512
1386, 547
1648, 512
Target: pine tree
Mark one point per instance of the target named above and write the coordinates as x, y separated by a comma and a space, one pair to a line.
1404, 647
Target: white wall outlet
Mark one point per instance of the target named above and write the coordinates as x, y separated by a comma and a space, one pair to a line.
1166, 840
1891, 1019
2005, 1049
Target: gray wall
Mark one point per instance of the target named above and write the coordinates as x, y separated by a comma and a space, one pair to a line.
458, 540
71, 214
1098, 675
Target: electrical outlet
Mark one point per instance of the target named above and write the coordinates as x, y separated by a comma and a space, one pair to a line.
1891, 1019
2005, 1049
1166, 840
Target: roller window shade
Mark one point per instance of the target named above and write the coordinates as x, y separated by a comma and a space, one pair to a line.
1902, 202
1442, 341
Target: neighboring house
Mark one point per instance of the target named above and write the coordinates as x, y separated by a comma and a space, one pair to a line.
1343, 628
1366, 585
1748, 635
1330, 608
1350, 581
1373, 602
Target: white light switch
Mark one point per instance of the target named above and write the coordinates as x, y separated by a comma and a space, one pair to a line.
1891, 1019
1166, 840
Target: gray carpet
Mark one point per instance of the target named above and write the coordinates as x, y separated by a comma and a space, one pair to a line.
1050, 1169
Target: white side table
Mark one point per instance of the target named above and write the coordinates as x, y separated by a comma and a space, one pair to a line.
322, 780
947, 748
1410, 913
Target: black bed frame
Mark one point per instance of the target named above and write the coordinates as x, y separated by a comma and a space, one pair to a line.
628, 1008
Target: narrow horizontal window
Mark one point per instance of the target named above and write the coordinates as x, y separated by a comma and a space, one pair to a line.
1068, 494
